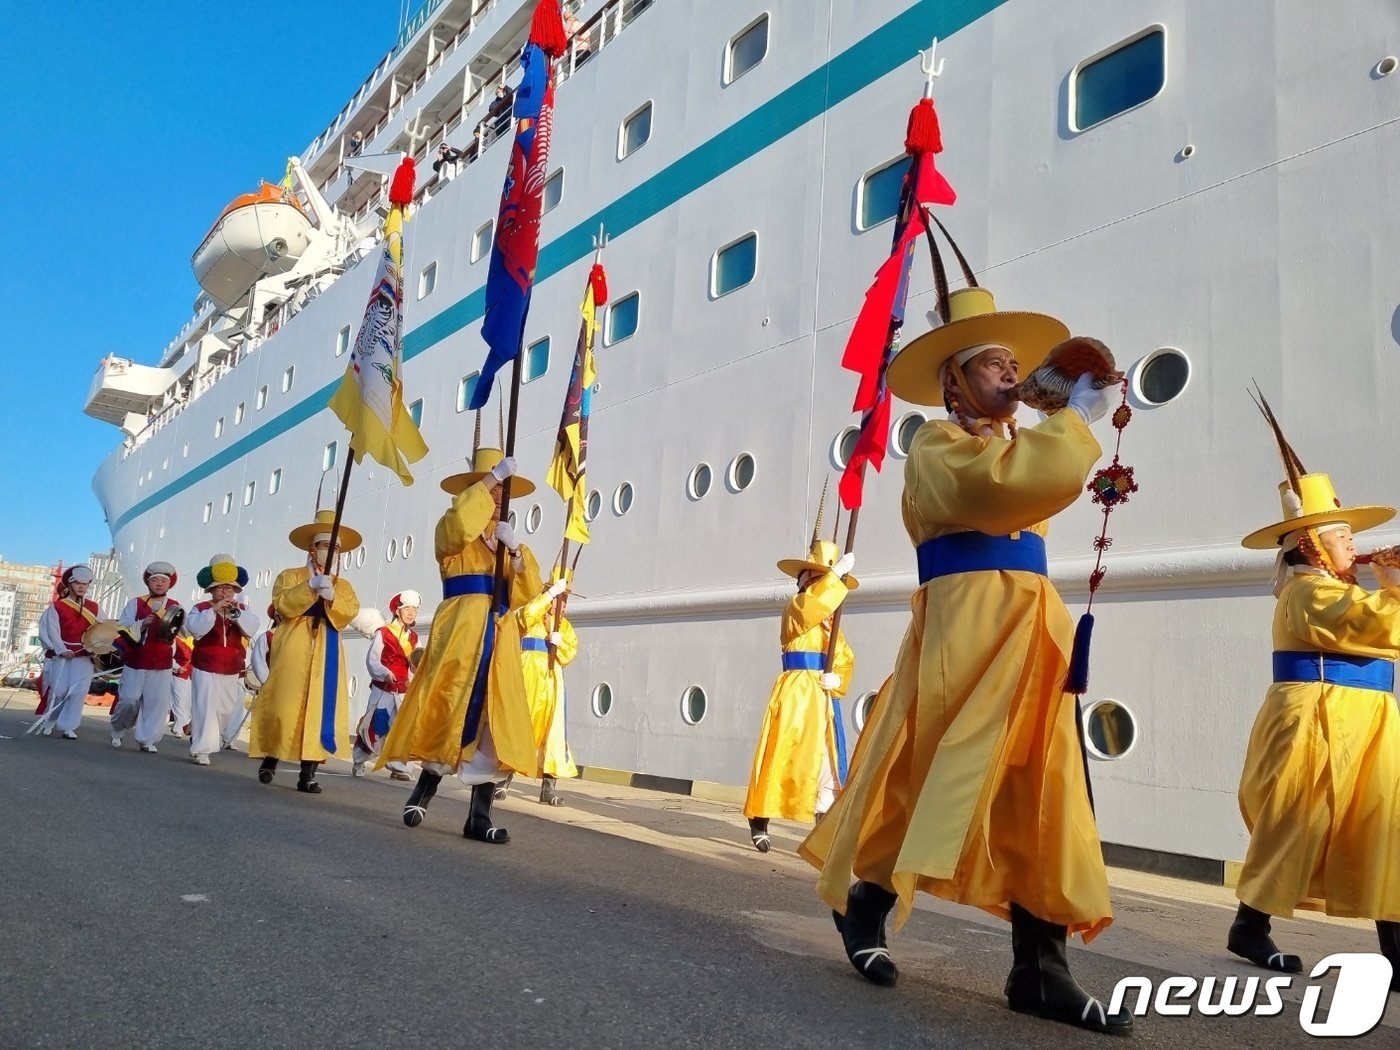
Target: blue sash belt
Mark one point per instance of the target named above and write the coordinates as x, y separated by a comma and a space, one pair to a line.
978, 552
799, 661
534, 645
1358, 672
472, 583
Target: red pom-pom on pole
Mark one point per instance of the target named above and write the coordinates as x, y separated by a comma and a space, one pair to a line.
547, 29
401, 189
924, 135
599, 280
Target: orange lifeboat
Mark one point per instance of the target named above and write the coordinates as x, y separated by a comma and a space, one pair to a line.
258, 235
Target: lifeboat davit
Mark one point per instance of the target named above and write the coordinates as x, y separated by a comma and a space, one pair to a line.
258, 235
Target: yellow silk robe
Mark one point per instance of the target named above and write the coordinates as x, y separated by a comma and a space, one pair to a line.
1320, 791
799, 726
434, 710
545, 687
302, 710
968, 781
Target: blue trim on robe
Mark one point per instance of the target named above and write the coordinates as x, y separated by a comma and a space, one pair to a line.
468, 583
977, 552
803, 661
840, 725
330, 682
534, 645
1356, 672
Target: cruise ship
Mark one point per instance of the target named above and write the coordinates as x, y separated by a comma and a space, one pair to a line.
1207, 187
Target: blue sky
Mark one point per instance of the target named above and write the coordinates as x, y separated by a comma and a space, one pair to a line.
129, 127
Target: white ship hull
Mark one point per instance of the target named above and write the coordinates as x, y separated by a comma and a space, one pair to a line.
1268, 250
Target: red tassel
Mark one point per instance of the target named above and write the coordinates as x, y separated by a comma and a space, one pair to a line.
547, 29
924, 135
599, 280
401, 189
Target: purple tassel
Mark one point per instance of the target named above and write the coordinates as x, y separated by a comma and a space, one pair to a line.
1077, 681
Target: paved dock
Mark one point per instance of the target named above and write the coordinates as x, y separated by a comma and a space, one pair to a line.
153, 903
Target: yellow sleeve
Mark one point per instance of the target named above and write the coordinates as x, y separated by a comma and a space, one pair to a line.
346, 605
526, 584
843, 663
464, 521
813, 606
533, 613
995, 485
292, 593
567, 649
1340, 618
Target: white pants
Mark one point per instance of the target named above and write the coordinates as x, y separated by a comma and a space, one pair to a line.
143, 701
180, 702
66, 680
214, 699
372, 729
485, 767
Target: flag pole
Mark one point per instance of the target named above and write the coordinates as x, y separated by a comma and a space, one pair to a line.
322, 611
501, 589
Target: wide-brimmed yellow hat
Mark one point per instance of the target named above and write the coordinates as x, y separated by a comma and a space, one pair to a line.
1315, 503
821, 558
303, 535
482, 462
972, 320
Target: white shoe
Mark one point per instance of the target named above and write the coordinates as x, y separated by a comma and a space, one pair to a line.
116, 740
68, 734
150, 749
200, 760
357, 770
48, 730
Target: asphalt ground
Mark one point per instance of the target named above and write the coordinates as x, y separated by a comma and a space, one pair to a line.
149, 902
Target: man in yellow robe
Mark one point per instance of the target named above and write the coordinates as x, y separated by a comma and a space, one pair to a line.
301, 712
801, 755
969, 781
1320, 791
548, 644
466, 710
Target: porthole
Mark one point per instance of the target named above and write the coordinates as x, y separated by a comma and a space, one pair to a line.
860, 714
354, 685
408, 545
514, 519
904, 430
693, 705
741, 472
1122, 77
594, 505
844, 446
533, 518
391, 551
1110, 730
1160, 377
1387, 66
602, 699
699, 481
360, 558
622, 499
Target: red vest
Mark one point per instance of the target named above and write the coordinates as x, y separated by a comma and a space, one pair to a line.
395, 659
72, 624
184, 658
221, 650
154, 655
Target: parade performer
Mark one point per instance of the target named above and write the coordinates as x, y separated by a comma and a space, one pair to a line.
466, 711
801, 749
145, 694
222, 627
1320, 790
302, 709
180, 684
67, 665
548, 644
969, 781
389, 672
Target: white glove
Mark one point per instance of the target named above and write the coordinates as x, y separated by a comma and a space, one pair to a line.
557, 588
504, 469
1387, 576
846, 563
831, 682
506, 535
320, 582
556, 639
1091, 402
327, 592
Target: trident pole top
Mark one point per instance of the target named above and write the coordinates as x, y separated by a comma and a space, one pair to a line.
932, 67
600, 241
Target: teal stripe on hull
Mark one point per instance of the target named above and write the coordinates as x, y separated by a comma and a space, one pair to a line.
859, 66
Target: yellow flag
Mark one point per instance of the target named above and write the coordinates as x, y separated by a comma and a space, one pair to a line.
570, 464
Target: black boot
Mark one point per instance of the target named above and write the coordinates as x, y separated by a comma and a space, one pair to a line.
758, 834
479, 824
1389, 934
265, 771
423, 791
307, 781
547, 793
1040, 982
863, 932
499, 790
1249, 939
